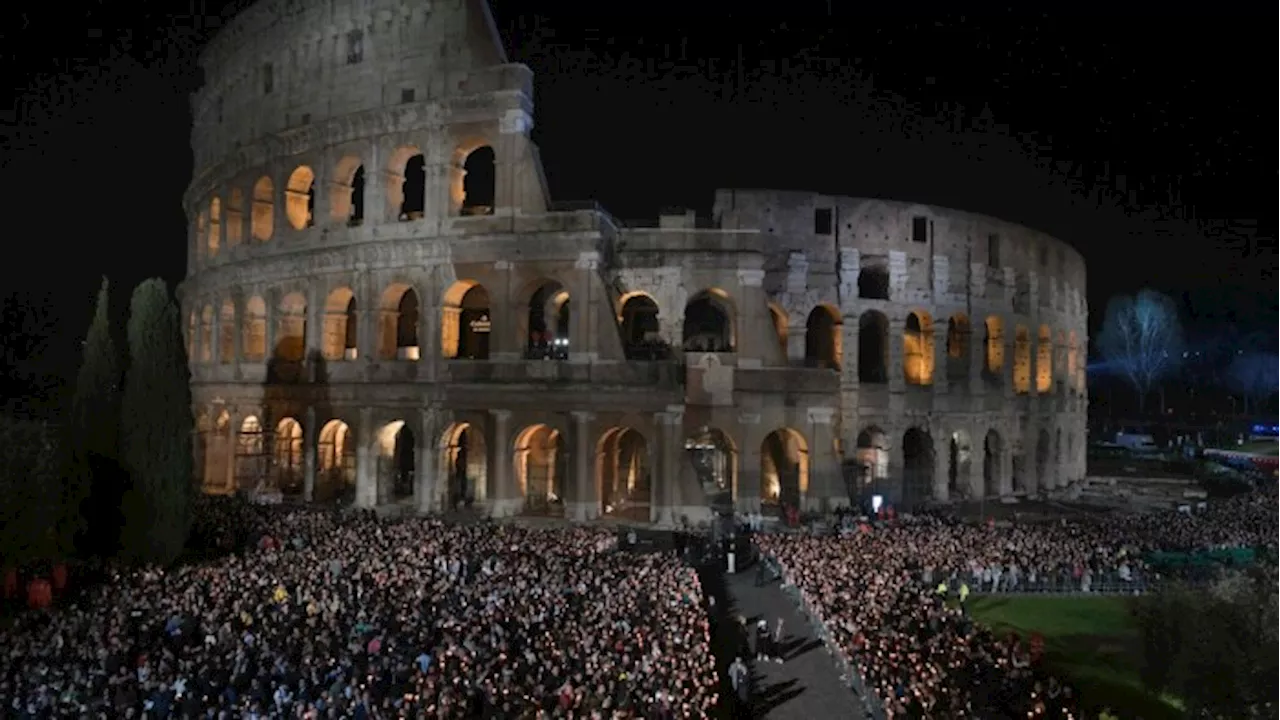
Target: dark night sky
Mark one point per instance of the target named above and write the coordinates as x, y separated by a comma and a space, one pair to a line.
653, 109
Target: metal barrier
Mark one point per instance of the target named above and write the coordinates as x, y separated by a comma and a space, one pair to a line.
1110, 583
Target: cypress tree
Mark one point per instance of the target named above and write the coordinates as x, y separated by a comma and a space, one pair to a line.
95, 418
155, 429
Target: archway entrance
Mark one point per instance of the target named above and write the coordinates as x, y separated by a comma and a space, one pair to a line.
336, 471
623, 474
217, 455
991, 455
822, 339
873, 347
287, 457
960, 454
708, 323
251, 463
466, 465
547, 326
871, 457
715, 461
540, 459
396, 467
784, 470
465, 325
641, 332
917, 467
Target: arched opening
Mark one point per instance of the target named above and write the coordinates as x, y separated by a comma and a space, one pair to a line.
251, 460
540, 460
781, 331
300, 198
227, 333
917, 349
414, 189
784, 469
992, 452
547, 323
871, 457
206, 334
1044, 471
715, 463
346, 194
465, 324
398, 324
218, 454
356, 217
466, 464
708, 323
263, 220
873, 283
479, 181
396, 467
193, 336
958, 348
993, 344
1073, 360
340, 325
958, 463
1021, 361
215, 226
917, 466
1019, 468
336, 463
641, 333
873, 347
235, 217
287, 458
822, 340
623, 474
254, 342
202, 234
1044, 360
291, 329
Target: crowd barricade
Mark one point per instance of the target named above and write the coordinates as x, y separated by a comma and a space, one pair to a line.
847, 667
1109, 583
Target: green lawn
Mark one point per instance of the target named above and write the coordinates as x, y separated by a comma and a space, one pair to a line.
1089, 642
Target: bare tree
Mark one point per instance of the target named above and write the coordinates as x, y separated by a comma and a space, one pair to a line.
1254, 376
1142, 339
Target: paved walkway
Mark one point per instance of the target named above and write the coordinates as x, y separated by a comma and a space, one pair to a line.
807, 685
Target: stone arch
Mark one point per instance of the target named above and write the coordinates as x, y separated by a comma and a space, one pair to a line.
218, 454
823, 338
641, 330
917, 466
623, 474
193, 336
251, 459
545, 325
1021, 360
396, 470
917, 349
263, 217
207, 320
227, 332
873, 282
465, 462
1073, 360
346, 197
540, 463
479, 182
291, 329
406, 183
465, 321
1044, 451
993, 346
784, 469
398, 312
1044, 360
215, 225
959, 459
873, 347
871, 457
709, 322
335, 462
781, 329
235, 217
202, 233
286, 456
341, 325
300, 198
958, 347
254, 327
992, 469
714, 456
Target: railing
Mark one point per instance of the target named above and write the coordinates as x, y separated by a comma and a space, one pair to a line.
657, 375
1109, 583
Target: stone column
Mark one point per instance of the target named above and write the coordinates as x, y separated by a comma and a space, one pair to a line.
583, 305
426, 463
271, 300
237, 338
503, 343
309, 435
941, 469
312, 331
825, 490
506, 500
796, 339
751, 323
977, 465
366, 472
977, 352
939, 346
893, 368
585, 504
670, 445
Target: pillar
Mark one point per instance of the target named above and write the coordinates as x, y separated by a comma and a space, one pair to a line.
941, 468
426, 462
237, 339
825, 487
585, 503
670, 425
506, 496
366, 472
583, 305
271, 300
752, 326
503, 343
938, 345
310, 433
796, 339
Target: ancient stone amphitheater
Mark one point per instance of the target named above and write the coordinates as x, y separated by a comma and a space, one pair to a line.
385, 306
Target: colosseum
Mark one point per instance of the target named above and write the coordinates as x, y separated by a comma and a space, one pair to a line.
386, 307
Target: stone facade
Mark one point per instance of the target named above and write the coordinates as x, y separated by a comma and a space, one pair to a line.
384, 305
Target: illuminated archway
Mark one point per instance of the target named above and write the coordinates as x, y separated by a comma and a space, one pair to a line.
546, 324
540, 461
1073, 361
1044, 360
206, 334
465, 462
784, 469
291, 329
1021, 361
215, 226
227, 332
715, 462
341, 324
335, 463
822, 339
917, 349
465, 322
219, 452
346, 196
872, 460
641, 331
406, 183
397, 471
263, 219
709, 323
235, 217
398, 314
251, 459
254, 341
300, 198
623, 474
479, 182
958, 348
993, 341
287, 457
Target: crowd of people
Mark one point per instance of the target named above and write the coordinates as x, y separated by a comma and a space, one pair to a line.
328, 615
876, 591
